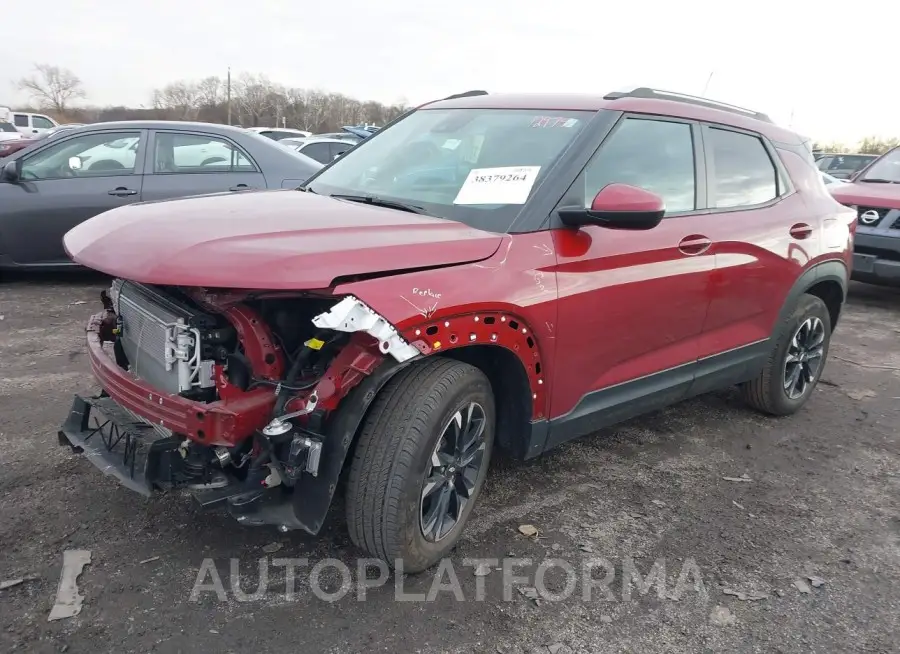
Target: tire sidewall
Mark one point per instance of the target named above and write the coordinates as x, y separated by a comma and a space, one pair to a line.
421, 553
808, 307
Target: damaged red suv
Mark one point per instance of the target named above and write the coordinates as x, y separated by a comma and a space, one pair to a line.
488, 271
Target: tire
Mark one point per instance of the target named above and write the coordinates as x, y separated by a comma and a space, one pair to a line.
767, 393
394, 454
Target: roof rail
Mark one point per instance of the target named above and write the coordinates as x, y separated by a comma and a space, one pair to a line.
465, 94
646, 92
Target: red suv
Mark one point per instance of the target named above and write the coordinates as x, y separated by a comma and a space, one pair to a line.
509, 271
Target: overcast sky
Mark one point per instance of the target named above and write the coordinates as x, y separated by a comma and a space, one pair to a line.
823, 66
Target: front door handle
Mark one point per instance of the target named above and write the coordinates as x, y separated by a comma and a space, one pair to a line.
122, 191
801, 231
240, 187
694, 244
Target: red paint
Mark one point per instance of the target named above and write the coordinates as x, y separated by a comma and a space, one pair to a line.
866, 194
226, 422
274, 240
357, 360
265, 355
625, 198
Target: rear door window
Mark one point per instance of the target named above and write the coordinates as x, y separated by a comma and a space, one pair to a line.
321, 152
176, 153
742, 170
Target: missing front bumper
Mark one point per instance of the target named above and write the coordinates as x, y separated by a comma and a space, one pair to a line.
133, 452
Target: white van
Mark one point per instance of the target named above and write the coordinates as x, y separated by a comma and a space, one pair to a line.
28, 123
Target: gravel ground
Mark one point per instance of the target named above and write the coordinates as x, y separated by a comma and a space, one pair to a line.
816, 497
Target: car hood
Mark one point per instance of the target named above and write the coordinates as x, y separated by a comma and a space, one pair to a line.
276, 240
866, 194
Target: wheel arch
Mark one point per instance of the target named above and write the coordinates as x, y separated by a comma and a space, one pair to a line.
828, 281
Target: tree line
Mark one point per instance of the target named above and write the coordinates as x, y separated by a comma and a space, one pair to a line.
256, 101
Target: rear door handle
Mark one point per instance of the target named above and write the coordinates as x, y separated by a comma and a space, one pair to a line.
240, 187
801, 231
122, 191
694, 244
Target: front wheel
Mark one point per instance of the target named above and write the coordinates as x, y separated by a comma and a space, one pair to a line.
796, 363
420, 463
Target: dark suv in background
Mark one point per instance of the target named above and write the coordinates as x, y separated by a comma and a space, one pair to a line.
843, 166
875, 195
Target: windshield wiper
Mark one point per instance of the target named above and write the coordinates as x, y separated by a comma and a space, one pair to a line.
378, 202
878, 180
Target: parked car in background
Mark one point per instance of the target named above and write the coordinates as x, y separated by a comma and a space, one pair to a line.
8, 132
354, 134
54, 184
508, 271
278, 133
322, 149
875, 196
828, 179
843, 166
8, 147
29, 123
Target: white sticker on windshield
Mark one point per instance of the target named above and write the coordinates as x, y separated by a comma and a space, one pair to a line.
509, 185
451, 144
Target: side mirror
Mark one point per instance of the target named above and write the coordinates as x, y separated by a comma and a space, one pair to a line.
74, 163
10, 172
618, 206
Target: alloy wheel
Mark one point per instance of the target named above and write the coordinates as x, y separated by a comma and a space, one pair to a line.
453, 472
804, 357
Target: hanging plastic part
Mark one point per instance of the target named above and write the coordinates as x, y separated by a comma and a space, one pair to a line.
352, 315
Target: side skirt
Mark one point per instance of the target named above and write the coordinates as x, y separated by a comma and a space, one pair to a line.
609, 406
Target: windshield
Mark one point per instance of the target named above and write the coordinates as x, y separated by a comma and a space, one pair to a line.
886, 169
477, 166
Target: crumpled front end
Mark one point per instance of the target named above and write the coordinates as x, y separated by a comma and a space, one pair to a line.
244, 399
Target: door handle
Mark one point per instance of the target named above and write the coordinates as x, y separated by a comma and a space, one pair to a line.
801, 231
240, 187
122, 191
694, 244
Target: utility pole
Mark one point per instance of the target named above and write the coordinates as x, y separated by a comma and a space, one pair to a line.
229, 95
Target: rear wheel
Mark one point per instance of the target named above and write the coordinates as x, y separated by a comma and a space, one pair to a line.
796, 363
420, 463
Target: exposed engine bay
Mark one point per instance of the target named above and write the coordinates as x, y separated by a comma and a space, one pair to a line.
284, 361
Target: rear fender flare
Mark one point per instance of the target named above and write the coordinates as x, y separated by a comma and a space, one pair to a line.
834, 271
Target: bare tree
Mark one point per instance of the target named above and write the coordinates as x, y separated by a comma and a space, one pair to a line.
875, 145
253, 95
209, 91
179, 100
52, 87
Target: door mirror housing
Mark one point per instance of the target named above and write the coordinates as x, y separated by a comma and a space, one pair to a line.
618, 206
11, 172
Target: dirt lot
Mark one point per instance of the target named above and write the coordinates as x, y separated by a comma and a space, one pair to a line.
821, 501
